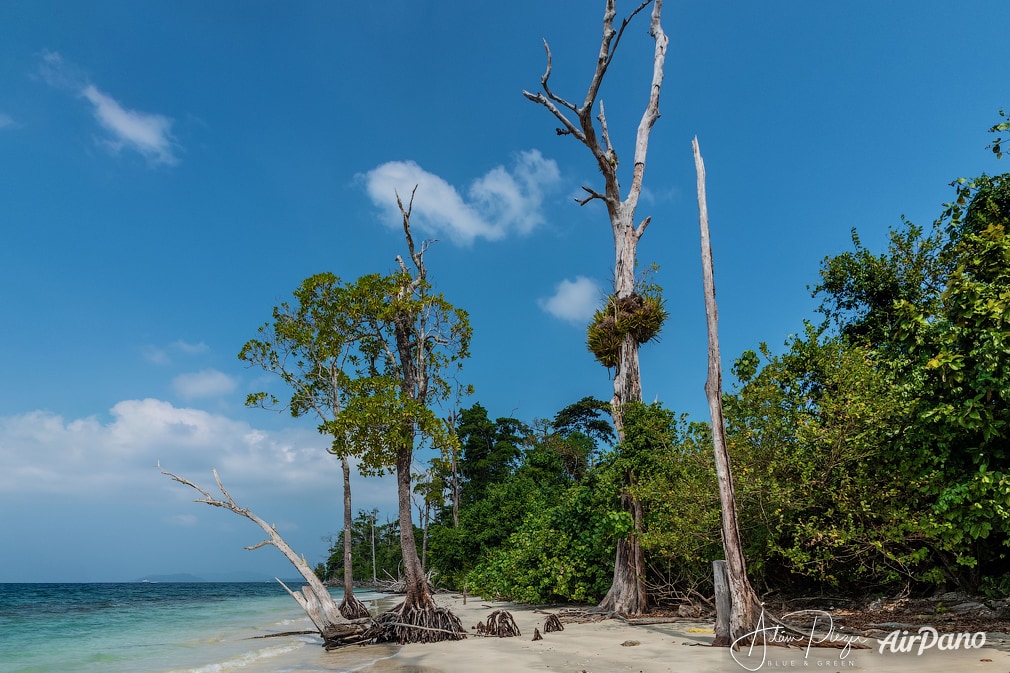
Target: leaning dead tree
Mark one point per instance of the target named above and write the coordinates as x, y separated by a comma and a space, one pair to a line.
630, 318
745, 608
314, 598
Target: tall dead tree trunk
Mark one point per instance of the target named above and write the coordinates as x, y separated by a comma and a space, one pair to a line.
314, 598
350, 607
627, 594
745, 608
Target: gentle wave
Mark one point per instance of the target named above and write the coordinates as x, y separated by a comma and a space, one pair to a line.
242, 660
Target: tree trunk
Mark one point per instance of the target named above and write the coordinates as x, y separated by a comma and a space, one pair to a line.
375, 579
745, 608
418, 596
350, 607
627, 594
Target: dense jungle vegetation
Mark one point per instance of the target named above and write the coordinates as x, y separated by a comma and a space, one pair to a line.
870, 455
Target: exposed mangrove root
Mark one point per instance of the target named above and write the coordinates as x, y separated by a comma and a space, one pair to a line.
418, 625
352, 608
536, 634
501, 624
552, 624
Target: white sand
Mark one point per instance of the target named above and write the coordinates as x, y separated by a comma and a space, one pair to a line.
663, 648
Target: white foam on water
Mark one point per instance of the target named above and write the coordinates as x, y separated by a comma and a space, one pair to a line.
247, 661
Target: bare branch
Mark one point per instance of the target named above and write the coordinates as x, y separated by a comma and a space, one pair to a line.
605, 132
641, 227
547, 89
265, 543
603, 60
593, 194
569, 127
651, 113
624, 24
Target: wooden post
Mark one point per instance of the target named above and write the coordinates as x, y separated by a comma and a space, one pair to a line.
723, 604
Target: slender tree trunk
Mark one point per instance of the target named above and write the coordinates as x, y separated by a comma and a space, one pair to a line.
745, 607
350, 607
418, 596
375, 579
424, 537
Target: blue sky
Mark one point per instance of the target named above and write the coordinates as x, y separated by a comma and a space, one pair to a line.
172, 170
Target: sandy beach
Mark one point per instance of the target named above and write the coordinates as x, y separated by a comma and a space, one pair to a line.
612, 646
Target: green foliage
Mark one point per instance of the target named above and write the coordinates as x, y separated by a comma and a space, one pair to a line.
819, 498
996, 145
557, 553
388, 554
336, 348
943, 347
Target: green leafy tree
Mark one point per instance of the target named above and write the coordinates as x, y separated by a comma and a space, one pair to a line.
316, 346
418, 341
940, 327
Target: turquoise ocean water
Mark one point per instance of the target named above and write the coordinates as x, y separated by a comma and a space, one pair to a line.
159, 628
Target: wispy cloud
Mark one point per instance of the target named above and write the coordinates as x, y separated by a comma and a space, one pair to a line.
148, 134
501, 202
204, 383
190, 349
185, 520
162, 355
574, 301
6, 121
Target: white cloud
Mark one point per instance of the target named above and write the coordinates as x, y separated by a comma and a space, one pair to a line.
574, 301
6, 121
44, 454
204, 383
148, 134
499, 203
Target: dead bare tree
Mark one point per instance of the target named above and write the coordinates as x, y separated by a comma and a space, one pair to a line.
617, 340
745, 608
314, 598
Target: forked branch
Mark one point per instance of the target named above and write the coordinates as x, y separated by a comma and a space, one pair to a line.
584, 129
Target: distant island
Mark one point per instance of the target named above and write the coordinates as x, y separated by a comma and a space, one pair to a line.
188, 578
177, 577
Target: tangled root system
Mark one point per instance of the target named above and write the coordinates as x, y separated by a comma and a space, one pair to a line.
552, 624
427, 624
500, 624
352, 608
